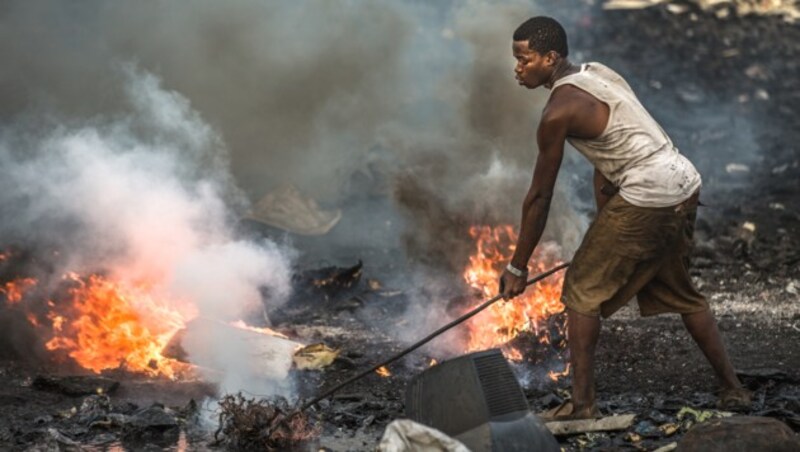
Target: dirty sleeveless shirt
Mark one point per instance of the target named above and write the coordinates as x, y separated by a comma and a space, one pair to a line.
633, 152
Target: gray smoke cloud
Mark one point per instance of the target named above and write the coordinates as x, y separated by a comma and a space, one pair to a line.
301, 92
417, 96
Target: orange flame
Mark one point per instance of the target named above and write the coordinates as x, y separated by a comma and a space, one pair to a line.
112, 325
555, 376
262, 330
383, 371
503, 321
15, 290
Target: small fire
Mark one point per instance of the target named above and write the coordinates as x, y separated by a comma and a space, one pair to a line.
15, 290
262, 330
383, 371
108, 325
555, 376
503, 321
433, 362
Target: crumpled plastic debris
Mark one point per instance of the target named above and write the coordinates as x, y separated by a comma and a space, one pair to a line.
647, 429
286, 208
315, 356
689, 416
405, 435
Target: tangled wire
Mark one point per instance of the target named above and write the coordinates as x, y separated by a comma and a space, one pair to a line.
261, 424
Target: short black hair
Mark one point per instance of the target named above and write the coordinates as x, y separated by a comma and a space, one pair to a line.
543, 35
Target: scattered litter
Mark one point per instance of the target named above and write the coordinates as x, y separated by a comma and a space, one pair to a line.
793, 287
776, 206
668, 448
689, 416
62, 439
757, 72
730, 53
762, 94
632, 437
749, 226
733, 168
405, 435
675, 8
646, 429
592, 440
780, 168
631, 4
315, 356
668, 429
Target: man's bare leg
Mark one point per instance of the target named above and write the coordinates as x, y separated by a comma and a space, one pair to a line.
582, 333
703, 329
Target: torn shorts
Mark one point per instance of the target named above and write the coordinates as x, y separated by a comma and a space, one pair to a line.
635, 251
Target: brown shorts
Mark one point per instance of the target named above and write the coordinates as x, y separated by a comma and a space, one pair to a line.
635, 251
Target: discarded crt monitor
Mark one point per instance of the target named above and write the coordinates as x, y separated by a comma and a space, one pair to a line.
476, 399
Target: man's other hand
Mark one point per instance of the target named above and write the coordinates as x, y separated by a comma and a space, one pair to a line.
510, 285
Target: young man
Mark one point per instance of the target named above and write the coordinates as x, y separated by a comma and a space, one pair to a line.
646, 194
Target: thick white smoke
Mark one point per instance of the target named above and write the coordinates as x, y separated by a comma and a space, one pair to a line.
148, 198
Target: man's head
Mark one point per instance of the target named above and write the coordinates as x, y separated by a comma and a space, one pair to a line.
540, 43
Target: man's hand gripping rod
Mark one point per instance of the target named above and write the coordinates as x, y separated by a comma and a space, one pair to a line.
428, 338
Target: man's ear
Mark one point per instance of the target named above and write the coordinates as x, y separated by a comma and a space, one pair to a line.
551, 58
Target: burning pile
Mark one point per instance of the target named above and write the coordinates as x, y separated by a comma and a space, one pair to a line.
102, 324
108, 325
532, 316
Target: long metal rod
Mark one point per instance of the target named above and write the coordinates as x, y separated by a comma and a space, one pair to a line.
427, 338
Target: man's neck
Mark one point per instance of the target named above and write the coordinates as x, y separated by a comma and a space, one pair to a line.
563, 68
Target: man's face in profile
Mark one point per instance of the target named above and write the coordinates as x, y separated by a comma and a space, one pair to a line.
533, 69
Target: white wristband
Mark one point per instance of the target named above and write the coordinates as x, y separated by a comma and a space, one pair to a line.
516, 272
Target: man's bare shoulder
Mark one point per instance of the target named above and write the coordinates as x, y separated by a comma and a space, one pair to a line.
581, 113
567, 98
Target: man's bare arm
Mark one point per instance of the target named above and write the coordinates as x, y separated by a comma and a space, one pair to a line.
551, 136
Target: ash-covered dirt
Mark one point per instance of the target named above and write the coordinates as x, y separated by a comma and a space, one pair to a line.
728, 93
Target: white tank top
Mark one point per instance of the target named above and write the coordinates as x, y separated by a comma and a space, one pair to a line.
633, 152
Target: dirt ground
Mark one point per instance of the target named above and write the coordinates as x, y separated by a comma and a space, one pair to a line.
728, 93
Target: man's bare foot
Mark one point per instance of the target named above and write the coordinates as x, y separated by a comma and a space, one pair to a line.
567, 411
734, 399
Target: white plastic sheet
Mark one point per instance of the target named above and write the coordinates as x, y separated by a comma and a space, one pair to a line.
405, 435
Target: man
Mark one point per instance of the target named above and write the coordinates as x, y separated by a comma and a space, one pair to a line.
646, 194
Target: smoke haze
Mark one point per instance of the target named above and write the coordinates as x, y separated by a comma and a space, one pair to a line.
134, 133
